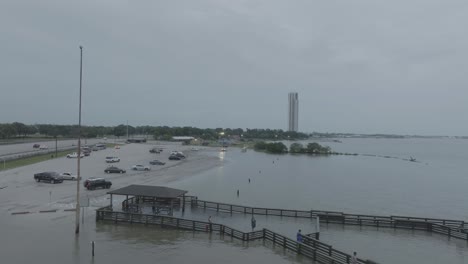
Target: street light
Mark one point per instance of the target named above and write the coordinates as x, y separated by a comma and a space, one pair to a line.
77, 209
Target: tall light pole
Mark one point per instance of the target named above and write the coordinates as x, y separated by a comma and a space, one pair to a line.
77, 209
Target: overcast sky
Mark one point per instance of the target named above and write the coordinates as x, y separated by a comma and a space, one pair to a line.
363, 66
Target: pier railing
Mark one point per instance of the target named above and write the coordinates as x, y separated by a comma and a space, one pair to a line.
316, 250
451, 228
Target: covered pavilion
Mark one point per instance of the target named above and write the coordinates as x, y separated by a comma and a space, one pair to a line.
159, 198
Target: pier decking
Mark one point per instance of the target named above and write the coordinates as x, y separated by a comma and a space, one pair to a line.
312, 248
451, 228
132, 211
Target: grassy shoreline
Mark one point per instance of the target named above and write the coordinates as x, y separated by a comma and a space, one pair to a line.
11, 164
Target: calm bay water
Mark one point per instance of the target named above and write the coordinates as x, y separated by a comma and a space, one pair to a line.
435, 186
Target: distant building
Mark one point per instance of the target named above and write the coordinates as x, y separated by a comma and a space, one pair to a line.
293, 112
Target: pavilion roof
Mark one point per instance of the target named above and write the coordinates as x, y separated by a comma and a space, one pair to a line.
149, 191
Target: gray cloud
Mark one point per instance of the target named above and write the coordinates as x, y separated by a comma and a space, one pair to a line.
359, 66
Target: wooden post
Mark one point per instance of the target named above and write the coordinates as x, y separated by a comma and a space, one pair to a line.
172, 206
183, 203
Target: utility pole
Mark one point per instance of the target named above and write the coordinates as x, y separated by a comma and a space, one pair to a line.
77, 209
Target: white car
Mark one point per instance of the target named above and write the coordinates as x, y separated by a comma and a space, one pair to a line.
74, 155
43, 147
140, 168
68, 176
112, 159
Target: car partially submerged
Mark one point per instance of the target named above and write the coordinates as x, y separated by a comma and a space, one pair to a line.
94, 183
49, 176
68, 176
114, 169
157, 162
74, 155
112, 159
156, 150
140, 167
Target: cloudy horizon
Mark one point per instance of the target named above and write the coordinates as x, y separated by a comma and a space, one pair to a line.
363, 66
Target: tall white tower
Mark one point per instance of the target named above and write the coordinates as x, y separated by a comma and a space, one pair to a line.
293, 112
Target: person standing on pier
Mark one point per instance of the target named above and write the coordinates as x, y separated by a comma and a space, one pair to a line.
237, 192
253, 222
209, 224
299, 236
354, 258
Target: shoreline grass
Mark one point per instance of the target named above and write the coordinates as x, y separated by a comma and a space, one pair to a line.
11, 164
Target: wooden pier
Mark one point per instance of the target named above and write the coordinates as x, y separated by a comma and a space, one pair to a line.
312, 248
450, 228
162, 200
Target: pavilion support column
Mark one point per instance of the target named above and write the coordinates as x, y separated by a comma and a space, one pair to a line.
183, 203
126, 203
172, 206
111, 205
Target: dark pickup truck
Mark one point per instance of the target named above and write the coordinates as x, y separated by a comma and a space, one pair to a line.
94, 183
52, 177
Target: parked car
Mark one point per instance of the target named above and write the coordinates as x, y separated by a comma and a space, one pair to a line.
174, 157
86, 151
36, 146
43, 147
52, 177
156, 150
99, 147
117, 147
157, 162
178, 154
74, 155
68, 176
113, 169
140, 168
112, 159
94, 183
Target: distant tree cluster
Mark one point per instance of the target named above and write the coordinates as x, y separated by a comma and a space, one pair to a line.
278, 147
16, 129
312, 148
275, 147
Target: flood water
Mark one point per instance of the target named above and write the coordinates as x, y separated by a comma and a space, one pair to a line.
435, 186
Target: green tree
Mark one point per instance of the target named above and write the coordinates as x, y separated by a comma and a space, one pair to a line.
296, 148
120, 130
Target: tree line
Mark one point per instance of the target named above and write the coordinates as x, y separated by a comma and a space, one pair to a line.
279, 147
17, 129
